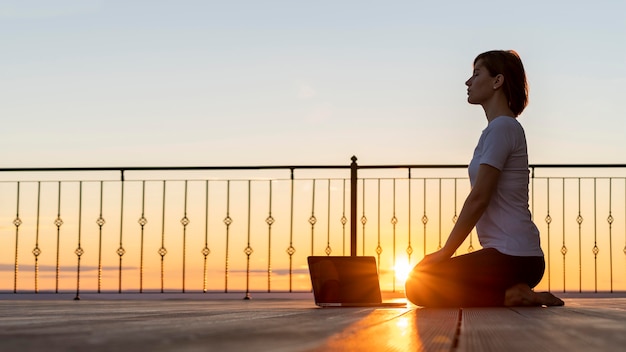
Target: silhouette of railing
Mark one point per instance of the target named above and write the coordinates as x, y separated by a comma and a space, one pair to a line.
250, 228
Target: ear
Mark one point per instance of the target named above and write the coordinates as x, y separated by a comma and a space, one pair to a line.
498, 81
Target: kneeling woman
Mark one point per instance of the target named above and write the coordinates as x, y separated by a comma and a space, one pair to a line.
511, 262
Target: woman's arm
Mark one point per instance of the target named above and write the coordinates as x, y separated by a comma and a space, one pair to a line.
473, 209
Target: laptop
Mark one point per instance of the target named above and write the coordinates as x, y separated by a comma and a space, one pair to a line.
342, 281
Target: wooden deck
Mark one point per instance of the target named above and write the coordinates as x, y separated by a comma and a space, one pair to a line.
271, 322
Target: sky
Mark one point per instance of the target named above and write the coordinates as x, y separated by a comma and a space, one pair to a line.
108, 83
212, 83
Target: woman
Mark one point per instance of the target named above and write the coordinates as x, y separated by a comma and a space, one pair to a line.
511, 262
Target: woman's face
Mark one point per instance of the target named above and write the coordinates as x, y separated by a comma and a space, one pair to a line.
480, 86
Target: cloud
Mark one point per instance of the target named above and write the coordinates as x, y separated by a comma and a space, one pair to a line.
305, 91
52, 268
275, 272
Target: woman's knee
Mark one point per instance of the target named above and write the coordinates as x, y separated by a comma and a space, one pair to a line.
412, 288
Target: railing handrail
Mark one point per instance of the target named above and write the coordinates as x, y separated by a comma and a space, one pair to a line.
282, 167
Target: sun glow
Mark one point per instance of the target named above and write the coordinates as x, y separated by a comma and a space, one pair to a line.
402, 271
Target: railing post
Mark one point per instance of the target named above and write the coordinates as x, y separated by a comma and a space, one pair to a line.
353, 200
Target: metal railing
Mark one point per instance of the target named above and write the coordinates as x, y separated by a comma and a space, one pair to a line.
250, 228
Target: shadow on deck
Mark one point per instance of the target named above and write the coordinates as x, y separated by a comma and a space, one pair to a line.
291, 322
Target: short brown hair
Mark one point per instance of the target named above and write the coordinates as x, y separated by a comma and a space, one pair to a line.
508, 64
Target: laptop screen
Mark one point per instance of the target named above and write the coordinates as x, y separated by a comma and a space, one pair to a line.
344, 279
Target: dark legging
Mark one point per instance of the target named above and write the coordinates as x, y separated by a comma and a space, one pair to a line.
477, 279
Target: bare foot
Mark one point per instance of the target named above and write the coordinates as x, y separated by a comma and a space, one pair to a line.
523, 295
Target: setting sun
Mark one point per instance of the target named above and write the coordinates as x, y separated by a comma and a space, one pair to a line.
401, 271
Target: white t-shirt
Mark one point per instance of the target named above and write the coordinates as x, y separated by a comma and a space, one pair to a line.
506, 224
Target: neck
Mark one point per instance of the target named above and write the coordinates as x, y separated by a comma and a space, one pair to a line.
498, 106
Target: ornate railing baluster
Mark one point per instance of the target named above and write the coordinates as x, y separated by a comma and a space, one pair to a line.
595, 250
58, 222
269, 221
291, 250
184, 221
579, 221
379, 249
120, 250
344, 219
79, 249
363, 220
206, 251
439, 217
37, 250
248, 250
455, 216
548, 221
227, 221
16, 222
100, 222
409, 248
142, 223
394, 222
162, 250
313, 219
424, 217
471, 245
454, 205
563, 247
609, 220
328, 250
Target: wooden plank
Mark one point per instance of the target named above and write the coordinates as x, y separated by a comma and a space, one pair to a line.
595, 302
496, 329
221, 325
414, 330
584, 324
543, 329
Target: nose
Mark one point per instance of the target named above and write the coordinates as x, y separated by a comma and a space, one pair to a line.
468, 82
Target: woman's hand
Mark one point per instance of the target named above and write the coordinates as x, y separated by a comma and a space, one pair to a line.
434, 258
